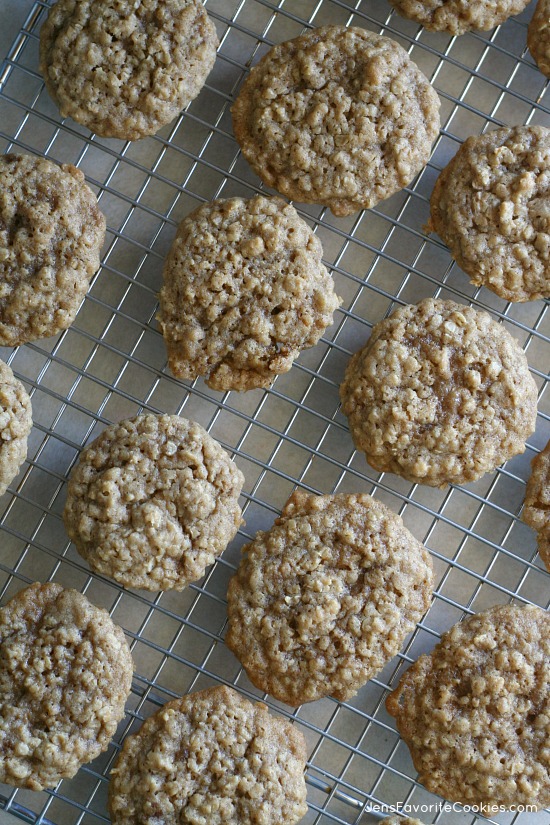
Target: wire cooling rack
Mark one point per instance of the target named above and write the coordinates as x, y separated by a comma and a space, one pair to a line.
111, 364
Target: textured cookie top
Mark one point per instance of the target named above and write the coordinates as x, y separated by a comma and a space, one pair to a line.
15, 425
210, 757
65, 673
325, 598
401, 820
124, 69
536, 512
441, 393
459, 16
338, 116
538, 36
475, 713
153, 501
491, 207
244, 292
51, 232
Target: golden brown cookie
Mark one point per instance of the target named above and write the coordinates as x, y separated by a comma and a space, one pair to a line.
440, 394
123, 69
538, 36
153, 501
65, 674
211, 757
15, 425
51, 234
338, 116
475, 712
490, 206
326, 597
244, 293
536, 512
459, 16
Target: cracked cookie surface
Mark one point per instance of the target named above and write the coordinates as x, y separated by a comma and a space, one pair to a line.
65, 674
244, 293
15, 425
212, 757
440, 394
326, 597
338, 116
536, 512
490, 206
459, 16
51, 234
538, 36
125, 70
153, 501
475, 713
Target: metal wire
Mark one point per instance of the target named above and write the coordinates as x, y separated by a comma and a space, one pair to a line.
111, 364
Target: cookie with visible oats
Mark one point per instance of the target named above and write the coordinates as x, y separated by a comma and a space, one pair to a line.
244, 293
123, 69
459, 16
536, 512
490, 205
153, 501
326, 597
440, 394
51, 234
538, 36
15, 425
338, 116
211, 757
475, 713
65, 674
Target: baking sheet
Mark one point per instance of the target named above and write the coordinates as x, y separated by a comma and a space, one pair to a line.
112, 364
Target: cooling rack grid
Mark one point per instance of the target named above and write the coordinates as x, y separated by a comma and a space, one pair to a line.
111, 364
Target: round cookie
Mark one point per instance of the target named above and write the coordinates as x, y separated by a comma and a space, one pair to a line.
51, 234
475, 713
490, 206
244, 292
536, 511
125, 70
153, 501
338, 116
15, 425
440, 394
538, 36
212, 757
326, 597
459, 16
65, 674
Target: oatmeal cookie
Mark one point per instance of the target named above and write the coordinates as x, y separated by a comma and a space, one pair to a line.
65, 674
536, 512
490, 206
475, 713
440, 394
244, 292
401, 820
338, 116
153, 501
15, 425
325, 598
459, 16
538, 36
51, 233
211, 757
123, 69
